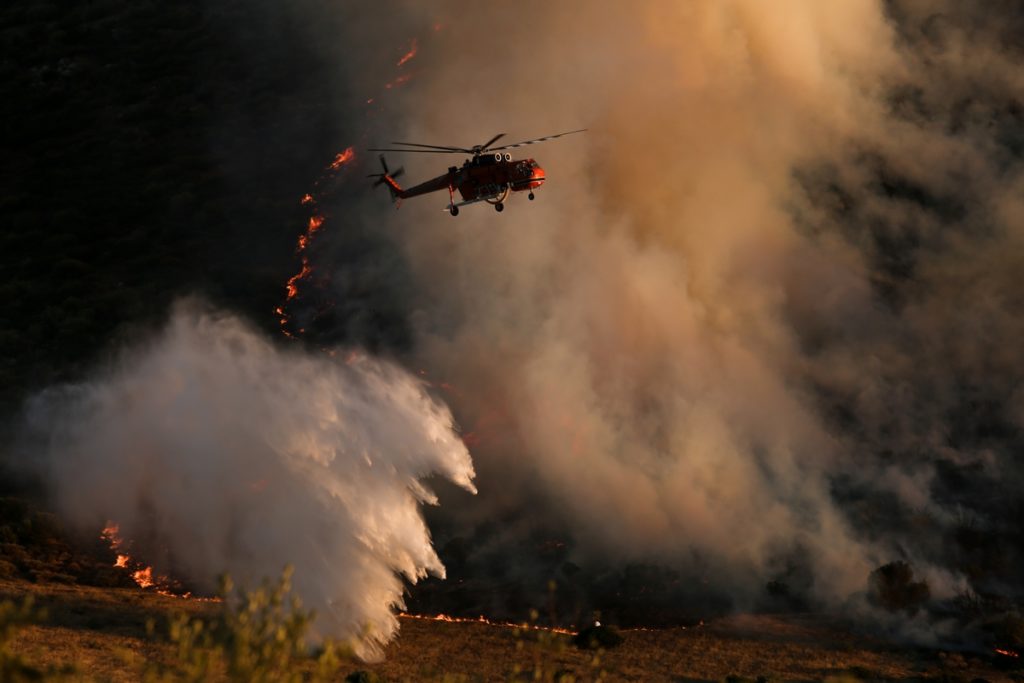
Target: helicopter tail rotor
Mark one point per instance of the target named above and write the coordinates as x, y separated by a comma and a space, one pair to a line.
388, 178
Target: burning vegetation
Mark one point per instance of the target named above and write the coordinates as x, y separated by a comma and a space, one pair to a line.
314, 200
313, 225
142, 574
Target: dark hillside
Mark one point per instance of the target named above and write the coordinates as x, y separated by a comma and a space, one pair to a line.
145, 153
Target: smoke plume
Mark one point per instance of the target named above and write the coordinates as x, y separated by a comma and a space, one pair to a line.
759, 323
217, 451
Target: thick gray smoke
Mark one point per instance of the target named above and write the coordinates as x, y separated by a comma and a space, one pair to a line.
218, 451
760, 321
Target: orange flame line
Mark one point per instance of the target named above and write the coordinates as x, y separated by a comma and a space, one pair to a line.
484, 620
410, 54
508, 624
314, 224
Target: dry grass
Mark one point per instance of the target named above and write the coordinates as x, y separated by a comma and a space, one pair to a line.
102, 632
787, 648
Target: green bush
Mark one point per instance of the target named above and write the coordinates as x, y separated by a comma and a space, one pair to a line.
13, 617
13, 668
259, 635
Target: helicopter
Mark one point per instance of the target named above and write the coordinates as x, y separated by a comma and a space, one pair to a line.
489, 175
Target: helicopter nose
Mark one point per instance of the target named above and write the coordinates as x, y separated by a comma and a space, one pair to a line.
537, 177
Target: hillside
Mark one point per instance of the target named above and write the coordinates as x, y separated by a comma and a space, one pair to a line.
779, 358
102, 632
145, 154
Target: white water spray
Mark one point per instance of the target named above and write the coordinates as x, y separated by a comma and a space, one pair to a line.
223, 452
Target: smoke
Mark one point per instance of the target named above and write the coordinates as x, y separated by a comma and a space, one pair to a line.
758, 328
759, 322
218, 451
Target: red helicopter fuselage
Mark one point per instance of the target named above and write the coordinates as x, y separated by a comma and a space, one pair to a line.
490, 175
485, 178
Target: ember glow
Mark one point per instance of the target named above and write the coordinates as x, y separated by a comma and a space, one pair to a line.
401, 80
1006, 653
408, 55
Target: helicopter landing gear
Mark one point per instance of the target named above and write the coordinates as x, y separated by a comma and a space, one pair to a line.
499, 207
452, 209
530, 196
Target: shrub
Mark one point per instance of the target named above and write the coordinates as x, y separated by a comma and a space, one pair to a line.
363, 677
14, 669
13, 617
259, 635
892, 587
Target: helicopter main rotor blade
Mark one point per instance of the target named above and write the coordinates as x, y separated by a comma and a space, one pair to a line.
441, 147
422, 151
484, 147
533, 142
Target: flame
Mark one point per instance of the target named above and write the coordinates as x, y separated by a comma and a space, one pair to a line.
342, 158
410, 54
310, 198
401, 80
292, 286
1006, 653
112, 534
315, 221
144, 576
313, 224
